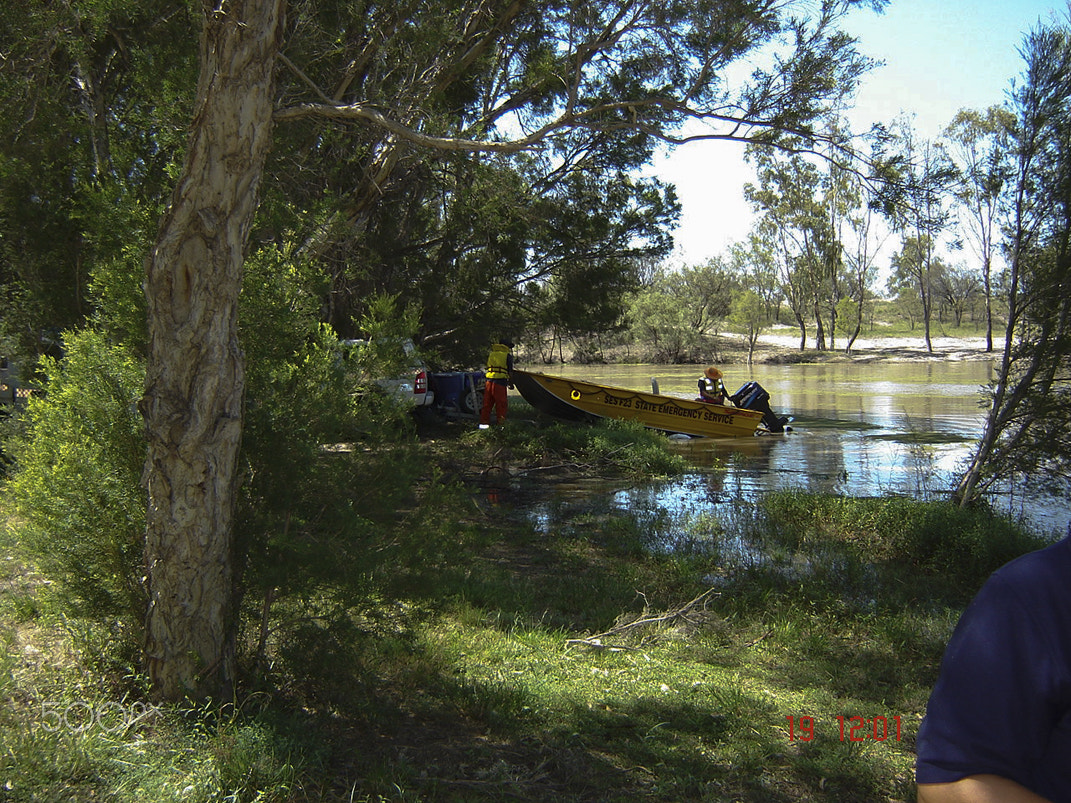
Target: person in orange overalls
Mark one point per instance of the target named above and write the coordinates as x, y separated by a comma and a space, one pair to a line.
499, 368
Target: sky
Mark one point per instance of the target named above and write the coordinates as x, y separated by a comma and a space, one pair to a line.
938, 56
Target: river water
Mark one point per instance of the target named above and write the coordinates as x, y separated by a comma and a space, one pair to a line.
861, 429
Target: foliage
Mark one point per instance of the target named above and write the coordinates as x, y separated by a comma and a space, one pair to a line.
77, 487
916, 280
115, 282
599, 225
918, 177
99, 96
748, 316
104, 94
677, 315
796, 232
703, 291
850, 316
962, 546
388, 331
958, 290
312, 494
980, 144
606, 447
754, 265
663, 323
1028, 425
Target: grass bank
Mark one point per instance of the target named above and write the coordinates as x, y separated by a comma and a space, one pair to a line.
506, 662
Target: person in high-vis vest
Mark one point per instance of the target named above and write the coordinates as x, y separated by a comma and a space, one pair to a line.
499, 369
711, 388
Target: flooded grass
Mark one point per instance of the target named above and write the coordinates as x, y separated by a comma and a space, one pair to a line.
530, 647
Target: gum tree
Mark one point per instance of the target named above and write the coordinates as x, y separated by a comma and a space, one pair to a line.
980, 147
195, 377
918, 178
795, 227
862, 243
748, 316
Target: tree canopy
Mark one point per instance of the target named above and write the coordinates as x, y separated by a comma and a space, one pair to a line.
417, 146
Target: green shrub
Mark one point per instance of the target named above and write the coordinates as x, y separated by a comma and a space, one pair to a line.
609, 447
327, 468
76, 488
963, 544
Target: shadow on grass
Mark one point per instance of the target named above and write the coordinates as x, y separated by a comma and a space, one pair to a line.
473, 741
468, 692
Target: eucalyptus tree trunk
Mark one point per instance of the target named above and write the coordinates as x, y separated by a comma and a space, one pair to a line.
195, 378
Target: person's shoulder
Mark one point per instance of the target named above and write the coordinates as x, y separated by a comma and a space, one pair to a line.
1051, 561
1038, 581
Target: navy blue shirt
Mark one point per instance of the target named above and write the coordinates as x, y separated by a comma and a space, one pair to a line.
1002, 703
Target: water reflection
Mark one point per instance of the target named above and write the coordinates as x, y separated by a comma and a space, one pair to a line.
858, 429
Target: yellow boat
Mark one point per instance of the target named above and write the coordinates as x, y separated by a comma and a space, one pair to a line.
576, 400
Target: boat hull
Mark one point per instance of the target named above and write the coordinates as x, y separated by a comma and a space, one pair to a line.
576, 400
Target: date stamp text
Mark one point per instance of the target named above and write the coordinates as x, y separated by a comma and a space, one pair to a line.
850, 729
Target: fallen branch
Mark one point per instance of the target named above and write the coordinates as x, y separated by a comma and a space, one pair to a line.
760, 639
684, 612
595, 643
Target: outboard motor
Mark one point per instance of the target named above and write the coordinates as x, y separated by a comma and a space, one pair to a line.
753, 396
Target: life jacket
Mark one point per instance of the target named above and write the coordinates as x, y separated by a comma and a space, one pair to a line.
498, 362
711, 387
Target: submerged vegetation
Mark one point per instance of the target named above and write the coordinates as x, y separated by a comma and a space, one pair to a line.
446, 646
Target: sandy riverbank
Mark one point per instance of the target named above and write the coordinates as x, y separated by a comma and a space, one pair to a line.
784, 347
781, 345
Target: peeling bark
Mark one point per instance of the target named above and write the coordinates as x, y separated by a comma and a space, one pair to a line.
195, 378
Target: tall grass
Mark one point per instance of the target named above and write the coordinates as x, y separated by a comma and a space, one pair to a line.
607, 448
961, 546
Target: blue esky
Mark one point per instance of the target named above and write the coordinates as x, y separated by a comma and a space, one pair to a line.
939, 56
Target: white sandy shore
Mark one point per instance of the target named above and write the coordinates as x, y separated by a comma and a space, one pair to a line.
905, 347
